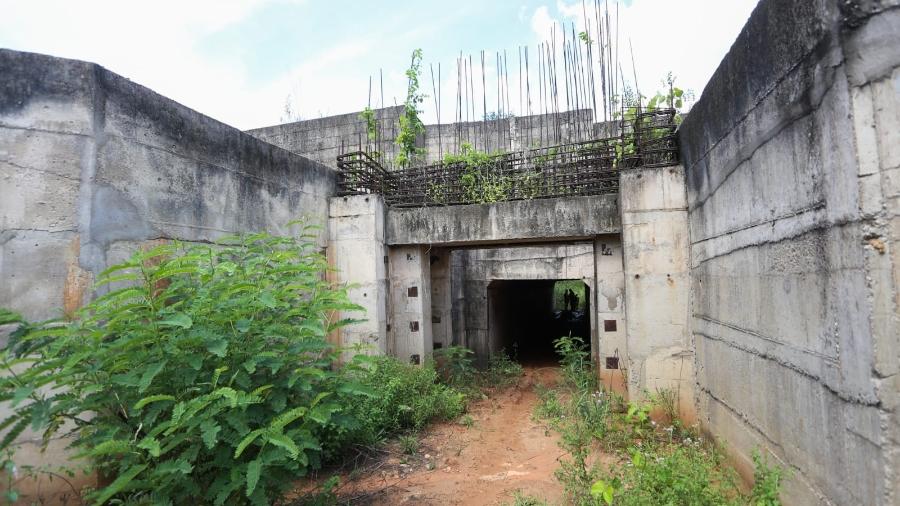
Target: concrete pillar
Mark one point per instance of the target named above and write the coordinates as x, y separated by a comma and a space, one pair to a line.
458, 297
410, 303
357, 252
609, 311
653, 204
441, 303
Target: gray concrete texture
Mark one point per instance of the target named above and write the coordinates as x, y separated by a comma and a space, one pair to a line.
657, 284
89, 160
793, 180
541, 220
323, 139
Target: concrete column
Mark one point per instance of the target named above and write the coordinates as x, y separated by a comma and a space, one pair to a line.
657, 284
609, 310
441, 302
357, 252
458, 297
410, 303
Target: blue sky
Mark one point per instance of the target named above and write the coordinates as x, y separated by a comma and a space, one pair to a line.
241, 61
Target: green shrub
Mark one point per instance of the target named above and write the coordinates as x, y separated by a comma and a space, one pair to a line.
408, 397
455, 366
522, 499
201, 375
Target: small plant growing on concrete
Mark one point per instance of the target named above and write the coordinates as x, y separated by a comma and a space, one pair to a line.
410, 124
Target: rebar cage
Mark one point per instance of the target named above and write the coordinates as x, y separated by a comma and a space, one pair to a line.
647, 139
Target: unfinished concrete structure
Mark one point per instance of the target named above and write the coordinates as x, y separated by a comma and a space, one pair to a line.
759, 278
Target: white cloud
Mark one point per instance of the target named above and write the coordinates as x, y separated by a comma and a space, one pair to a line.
542, 22
152, 44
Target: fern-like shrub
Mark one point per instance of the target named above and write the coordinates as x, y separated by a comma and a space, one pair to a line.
201, 376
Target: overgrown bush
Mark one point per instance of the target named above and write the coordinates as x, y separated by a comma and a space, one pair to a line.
202, 375
408, 397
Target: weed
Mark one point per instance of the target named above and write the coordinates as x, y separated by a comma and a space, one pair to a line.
667, 400
408, 397
502, 371
549, 406
658, 465
522, 499
467, 421
410, 124
766, 482
409, 444
578, 371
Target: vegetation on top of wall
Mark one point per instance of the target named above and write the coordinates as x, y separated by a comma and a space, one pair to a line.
659, 460
410, 124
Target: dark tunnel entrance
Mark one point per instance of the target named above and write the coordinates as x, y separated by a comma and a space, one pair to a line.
525, 317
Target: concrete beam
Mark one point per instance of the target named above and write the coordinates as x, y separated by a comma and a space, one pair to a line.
521, 221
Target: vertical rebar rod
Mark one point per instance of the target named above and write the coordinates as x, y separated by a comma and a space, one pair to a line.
472, 90
528, 95
506, 107
437, 109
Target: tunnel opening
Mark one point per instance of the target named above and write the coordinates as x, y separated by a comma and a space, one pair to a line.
526, 316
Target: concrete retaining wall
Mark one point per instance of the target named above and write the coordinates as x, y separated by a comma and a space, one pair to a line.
793, 185
93, 166
323, 139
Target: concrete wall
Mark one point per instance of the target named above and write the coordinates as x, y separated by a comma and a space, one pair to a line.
93, 166
559, 219
323, 139
441, 297
793, 181
609, 306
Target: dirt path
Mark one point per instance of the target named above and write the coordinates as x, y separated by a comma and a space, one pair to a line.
502, 452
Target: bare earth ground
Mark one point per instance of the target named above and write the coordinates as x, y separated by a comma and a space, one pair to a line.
504, 451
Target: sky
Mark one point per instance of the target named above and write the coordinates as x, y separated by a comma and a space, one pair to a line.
243, 61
